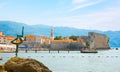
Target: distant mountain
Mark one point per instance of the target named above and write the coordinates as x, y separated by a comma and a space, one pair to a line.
13, 28
114, 38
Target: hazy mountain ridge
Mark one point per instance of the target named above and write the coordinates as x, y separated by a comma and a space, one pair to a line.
14, 28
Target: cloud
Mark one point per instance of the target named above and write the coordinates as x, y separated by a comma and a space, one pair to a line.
101, 20
84, 4
78, 1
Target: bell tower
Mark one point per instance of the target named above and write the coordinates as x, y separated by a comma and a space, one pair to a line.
52, 33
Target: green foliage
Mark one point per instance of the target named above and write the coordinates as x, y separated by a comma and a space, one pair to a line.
58, 38
74, 37
87, 43
108, 40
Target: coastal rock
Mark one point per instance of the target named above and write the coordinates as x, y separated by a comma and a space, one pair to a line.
17, 64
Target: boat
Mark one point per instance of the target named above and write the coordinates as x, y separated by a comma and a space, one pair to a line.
89, 51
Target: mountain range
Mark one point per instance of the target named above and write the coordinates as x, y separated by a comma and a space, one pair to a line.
11, 28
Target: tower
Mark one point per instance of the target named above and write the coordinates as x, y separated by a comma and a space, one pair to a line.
52, 33
2, 34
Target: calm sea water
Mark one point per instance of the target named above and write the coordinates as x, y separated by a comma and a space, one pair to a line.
74, 61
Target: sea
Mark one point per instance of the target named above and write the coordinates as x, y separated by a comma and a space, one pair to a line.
73, 61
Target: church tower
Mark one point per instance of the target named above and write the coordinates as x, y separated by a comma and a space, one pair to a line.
52, 33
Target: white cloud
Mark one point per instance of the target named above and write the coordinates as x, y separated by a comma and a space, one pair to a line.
78, 1
86, 4
101, 20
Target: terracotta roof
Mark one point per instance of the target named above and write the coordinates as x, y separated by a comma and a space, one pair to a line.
31, 36
10, 37
80, 41
2, 36
63, 41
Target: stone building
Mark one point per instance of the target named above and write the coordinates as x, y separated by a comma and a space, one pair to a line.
45, 40
9, 39
30, 41
36, 42
5, 43
95, 40
98, 41
61, 44
83, 39
3, 39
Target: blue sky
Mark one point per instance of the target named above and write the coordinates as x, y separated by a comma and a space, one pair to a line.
83, 14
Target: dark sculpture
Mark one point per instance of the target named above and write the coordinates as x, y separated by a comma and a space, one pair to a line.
17, 41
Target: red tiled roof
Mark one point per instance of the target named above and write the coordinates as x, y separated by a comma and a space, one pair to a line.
10, 37
63, 41
31, 36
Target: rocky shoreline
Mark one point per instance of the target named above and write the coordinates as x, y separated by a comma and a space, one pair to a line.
17, 64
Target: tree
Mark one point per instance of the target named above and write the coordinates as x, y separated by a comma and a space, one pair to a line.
73, 37
58, 38
108, 40
87, 43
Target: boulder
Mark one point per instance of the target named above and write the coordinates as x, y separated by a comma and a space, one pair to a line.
17, 64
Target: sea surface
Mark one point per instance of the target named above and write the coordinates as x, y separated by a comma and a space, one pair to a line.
73, 61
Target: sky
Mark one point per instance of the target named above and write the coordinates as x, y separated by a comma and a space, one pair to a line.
101, 15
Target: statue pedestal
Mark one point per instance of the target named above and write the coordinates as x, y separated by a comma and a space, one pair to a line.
17, 64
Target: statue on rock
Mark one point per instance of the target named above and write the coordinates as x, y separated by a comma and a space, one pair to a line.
17, 41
